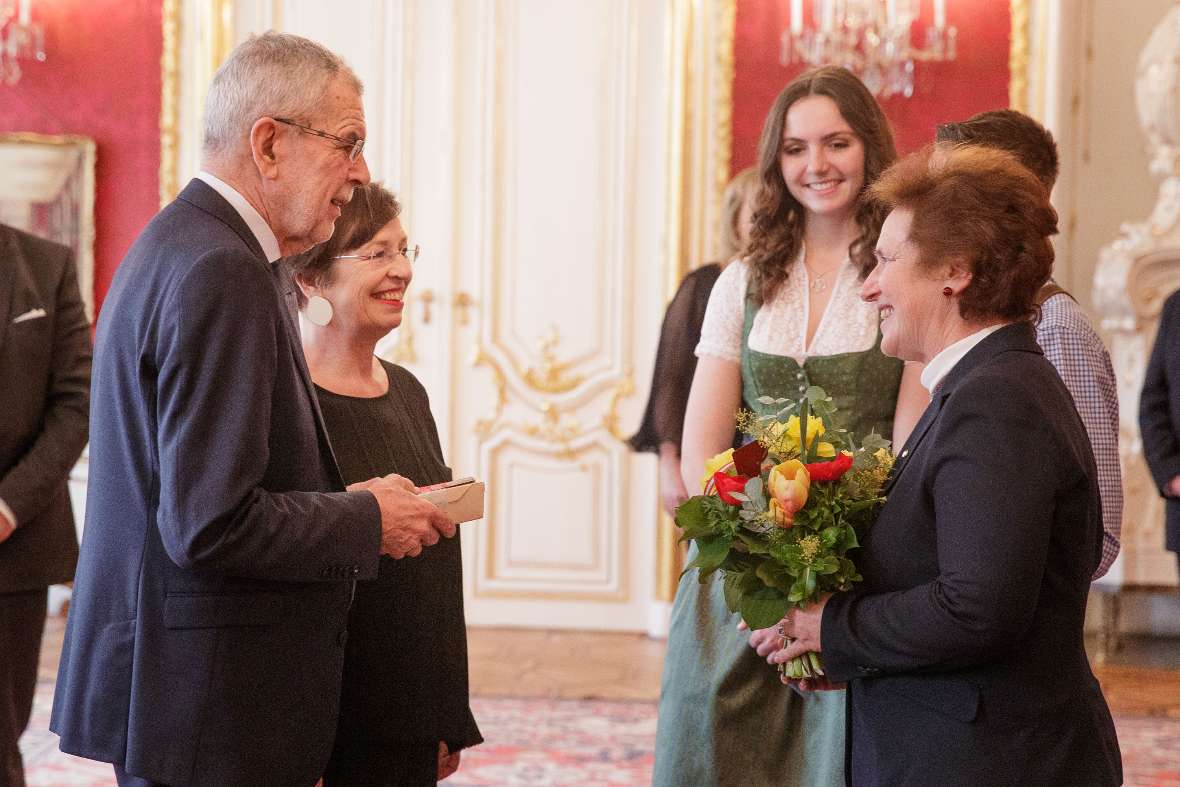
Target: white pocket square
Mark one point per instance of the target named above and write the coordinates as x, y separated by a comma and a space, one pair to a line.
31, 314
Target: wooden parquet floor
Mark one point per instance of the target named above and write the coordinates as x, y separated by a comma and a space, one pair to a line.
591, 665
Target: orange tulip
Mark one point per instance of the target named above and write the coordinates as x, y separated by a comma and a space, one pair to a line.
788, 485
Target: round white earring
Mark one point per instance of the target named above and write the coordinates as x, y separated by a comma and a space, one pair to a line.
318, 310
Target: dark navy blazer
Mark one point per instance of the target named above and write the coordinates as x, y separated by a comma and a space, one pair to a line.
1159, 413
206, 632
963, 645
44, 400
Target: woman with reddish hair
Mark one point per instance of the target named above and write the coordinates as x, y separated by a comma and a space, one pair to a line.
782, 318
962, 649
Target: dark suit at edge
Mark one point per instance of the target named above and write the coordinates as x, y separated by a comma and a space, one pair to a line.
205, 642
1159, 414
45, 364
963, 646
44, 398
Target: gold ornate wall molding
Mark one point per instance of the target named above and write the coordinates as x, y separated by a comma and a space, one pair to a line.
700, 40
700, 68
1018, 56
198, 36
170, 102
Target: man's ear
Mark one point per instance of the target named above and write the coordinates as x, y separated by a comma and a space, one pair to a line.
264, 144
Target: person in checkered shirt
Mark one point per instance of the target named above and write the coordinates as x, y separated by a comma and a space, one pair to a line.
1064, 332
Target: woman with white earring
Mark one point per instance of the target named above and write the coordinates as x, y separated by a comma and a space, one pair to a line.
404, 710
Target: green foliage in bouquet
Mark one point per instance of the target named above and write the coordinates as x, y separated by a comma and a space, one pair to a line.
779, 516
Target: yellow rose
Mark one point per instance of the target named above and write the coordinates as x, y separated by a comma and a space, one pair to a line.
722, 461
788, 485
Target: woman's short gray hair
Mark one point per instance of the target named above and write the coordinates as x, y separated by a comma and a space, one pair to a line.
268, 75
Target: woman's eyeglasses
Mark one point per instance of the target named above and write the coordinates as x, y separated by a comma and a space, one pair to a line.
381, 255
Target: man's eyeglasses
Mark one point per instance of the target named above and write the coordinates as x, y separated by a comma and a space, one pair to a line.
381, 255
355, 146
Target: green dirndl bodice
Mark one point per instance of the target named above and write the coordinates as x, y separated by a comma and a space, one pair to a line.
724, 717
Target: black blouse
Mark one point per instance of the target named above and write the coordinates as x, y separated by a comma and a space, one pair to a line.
405, 664
676, 361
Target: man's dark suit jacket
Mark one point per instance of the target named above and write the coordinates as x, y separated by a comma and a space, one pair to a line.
206, 634
45, 368
1159, 413
963, 645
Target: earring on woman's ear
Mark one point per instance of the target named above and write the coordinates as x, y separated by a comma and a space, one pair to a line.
947, 291
318, 310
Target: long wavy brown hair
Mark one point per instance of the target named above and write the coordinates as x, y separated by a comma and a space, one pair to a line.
778, 222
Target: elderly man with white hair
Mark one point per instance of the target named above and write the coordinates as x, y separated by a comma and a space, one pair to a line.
206, 638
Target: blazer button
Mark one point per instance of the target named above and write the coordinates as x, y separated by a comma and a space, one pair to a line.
905, 453
342, 637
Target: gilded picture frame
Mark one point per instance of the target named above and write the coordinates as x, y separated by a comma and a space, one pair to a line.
47, 189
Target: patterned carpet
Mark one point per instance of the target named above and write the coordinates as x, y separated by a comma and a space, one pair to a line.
556, 742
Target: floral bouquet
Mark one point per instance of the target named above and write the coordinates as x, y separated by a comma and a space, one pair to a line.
779, 515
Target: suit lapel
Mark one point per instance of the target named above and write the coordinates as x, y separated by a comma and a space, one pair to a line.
202, 196
1017, 337
17, 288
929, 416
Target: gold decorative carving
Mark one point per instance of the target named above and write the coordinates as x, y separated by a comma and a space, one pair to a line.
551, 377
426, 298
555, 426
463, 302
484, 426
552, 429
610, 420
1018, 56
170, 102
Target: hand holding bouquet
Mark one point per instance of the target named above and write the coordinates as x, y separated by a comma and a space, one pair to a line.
779, 515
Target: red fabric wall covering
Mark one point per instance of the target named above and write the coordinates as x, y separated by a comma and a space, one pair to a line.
101, 80
976, 81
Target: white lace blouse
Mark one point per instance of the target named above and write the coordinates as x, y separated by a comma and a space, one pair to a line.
780, 326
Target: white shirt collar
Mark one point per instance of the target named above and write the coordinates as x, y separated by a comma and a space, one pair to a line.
262, 231
941, 364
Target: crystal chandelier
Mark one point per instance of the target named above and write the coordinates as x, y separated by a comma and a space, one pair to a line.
871, 38
20, 39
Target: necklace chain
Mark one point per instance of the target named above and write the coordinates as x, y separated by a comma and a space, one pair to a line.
817, 280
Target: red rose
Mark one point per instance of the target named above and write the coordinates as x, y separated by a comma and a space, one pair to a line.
831, 470
726, 483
